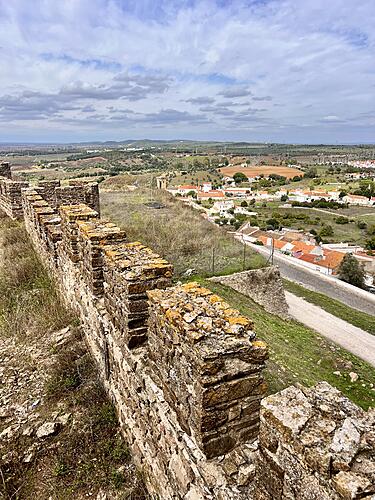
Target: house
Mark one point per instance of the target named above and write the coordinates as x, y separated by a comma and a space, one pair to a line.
327, 263
210, 194
354, 199
206, 187
222, 207
183, 190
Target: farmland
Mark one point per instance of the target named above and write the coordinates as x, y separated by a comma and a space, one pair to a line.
266, 170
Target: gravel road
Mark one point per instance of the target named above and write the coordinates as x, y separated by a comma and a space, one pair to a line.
351, 338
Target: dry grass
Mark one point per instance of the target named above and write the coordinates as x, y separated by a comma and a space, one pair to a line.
287, 172
28, 299
178, 233
88, 454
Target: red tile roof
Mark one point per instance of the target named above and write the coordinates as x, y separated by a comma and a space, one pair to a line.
188, 187
300, 246
211, 194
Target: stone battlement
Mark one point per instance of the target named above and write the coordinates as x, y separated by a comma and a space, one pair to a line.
185, 373
51, 192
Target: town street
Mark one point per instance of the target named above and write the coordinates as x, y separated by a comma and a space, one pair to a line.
351, 338
293, 270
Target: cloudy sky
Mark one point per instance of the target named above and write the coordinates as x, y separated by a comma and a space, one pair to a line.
255, 70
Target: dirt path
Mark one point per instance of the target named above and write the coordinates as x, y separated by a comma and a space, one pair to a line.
351, 338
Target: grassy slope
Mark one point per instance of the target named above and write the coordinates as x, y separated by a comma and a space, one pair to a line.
342, 232
28, 300
298, 354
87, 454
352, 316
177, 232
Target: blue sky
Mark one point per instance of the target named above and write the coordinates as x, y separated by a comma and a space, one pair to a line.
255, 70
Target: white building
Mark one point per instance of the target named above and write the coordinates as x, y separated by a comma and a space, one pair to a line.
222, 207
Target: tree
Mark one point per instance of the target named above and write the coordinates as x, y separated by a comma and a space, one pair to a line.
370, 244
273, 223
351, 271
284, 197
244, 203
239, 177
326, 230
311, 173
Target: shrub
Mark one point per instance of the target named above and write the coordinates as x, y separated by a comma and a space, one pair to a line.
341, 220
326, 230
273, 223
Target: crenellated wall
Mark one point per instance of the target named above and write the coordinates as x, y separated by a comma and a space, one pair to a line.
10, 197
51, 192
5, 170
184, 371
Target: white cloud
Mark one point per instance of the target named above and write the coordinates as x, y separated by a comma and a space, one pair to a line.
308, 64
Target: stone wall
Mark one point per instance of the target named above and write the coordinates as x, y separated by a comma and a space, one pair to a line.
184, 371
315, 444
50, 191
264, 286
10, 197
5, 170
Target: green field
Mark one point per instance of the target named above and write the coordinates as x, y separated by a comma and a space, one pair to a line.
307, 219
300, 355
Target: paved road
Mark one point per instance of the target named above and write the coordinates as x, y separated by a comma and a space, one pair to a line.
351, 338
316, 281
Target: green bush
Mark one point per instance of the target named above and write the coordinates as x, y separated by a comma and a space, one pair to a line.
341, 220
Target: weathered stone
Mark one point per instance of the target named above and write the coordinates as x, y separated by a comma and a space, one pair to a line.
47, 429
264, 286
349, 485
290, 410
345, 445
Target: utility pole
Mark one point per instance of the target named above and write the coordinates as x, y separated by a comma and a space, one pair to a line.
213, 260
244, 254
272, 251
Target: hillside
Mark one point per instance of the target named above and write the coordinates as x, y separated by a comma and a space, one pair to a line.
59, 433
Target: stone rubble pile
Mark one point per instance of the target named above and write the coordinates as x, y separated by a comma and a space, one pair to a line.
316, 443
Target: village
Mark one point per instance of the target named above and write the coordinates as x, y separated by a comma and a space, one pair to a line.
238, 207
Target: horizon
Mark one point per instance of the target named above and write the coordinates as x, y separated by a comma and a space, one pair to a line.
210, 71
164, 141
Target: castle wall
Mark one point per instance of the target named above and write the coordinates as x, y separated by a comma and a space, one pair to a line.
315, 444
5, 170
264, 286
184, 371
10, 197
50, 191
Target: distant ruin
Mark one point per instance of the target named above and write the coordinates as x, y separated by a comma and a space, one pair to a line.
185, 370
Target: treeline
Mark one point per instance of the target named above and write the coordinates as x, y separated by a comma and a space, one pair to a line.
320, 204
